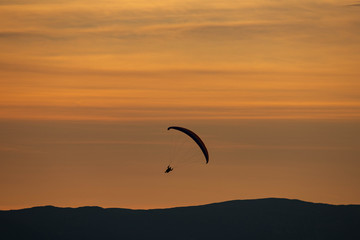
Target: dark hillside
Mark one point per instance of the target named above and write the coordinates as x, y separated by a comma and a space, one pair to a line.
241, 219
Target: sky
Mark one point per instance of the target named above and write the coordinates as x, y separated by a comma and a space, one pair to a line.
88, 89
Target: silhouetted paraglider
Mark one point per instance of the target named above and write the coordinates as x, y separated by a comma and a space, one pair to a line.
195, 138
169, 169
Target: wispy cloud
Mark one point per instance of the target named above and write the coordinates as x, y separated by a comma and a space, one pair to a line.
7, 149
157, 55
354, 4
133, 112
282, 147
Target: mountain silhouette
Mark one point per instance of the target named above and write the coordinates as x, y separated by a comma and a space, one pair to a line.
270, 218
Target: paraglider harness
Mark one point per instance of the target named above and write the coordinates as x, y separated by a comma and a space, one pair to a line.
169, 169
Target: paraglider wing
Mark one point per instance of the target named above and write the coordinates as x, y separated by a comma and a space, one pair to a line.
196, 138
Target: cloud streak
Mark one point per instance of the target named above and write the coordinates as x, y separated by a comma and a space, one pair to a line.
143, 113
179, 54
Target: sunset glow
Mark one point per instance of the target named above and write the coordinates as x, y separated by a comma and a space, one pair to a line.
88, 89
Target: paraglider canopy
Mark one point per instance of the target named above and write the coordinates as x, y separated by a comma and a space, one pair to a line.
195, 137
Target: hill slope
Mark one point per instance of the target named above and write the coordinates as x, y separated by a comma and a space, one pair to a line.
241, 219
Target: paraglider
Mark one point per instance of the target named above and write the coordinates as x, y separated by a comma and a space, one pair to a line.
195, 138
169, 169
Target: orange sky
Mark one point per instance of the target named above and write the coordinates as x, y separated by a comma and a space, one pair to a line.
88, 89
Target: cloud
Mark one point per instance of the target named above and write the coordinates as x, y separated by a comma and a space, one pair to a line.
282, 147
179, 53
354, 5
29, 2
104, 19
105, 142
29, 36
131, 111
8, 149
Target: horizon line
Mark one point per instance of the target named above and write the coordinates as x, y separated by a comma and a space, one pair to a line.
187, 206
